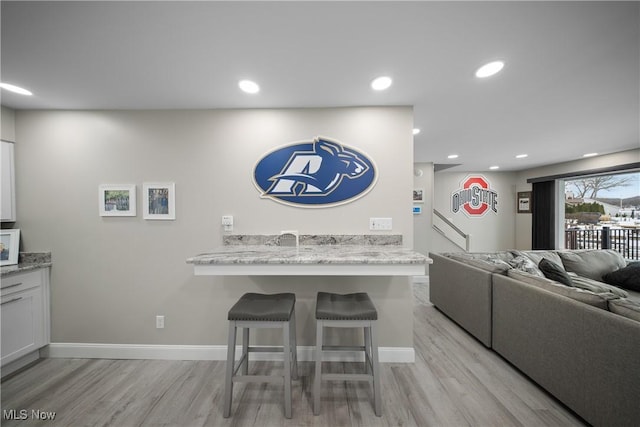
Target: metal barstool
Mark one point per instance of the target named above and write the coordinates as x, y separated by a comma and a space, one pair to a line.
347, 311
262, 311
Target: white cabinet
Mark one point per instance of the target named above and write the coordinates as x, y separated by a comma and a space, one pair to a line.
24, 311
7, 182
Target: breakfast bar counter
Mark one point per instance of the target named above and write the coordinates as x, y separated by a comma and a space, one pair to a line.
316, 260
376, 264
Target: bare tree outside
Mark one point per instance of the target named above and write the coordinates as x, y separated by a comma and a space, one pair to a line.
593, 185
596, 203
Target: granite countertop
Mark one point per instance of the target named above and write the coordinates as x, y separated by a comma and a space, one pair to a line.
312, 254
27, 261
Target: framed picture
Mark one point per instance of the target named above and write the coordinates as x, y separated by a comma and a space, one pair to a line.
418, 195
159, 200
417, 210
9, 246
117, 200
524, 202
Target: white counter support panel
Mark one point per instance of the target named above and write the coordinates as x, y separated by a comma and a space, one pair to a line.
309, 270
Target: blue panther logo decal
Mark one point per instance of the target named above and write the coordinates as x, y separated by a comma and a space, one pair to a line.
314, 174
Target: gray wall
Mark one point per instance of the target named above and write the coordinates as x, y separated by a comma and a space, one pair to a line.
423, 178
523, 221
490, 232
509, 229
7, 124
112, 276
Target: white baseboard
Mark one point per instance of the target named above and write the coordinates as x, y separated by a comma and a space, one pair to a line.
420, 279
205, 352
20, 363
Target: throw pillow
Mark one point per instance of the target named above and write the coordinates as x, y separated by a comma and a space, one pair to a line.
627, 277
523, 263
553, 271
592, 263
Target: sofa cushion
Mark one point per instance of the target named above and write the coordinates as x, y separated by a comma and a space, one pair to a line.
592, 263
599, 300
627, 277
502, 255
525, 264
625, 307
596, 286
537, 256
493, 263
553, 271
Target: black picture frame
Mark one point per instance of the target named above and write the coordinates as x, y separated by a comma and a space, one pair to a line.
524, 202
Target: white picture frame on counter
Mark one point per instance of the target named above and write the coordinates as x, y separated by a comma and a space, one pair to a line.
159, 200
117, 200
9, 247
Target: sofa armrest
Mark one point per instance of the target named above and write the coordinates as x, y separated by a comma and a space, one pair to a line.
585, 356
463, 293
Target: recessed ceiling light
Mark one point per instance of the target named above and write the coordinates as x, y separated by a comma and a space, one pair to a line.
416, 131
589, 154
15, 89
248, 86
489, 69
381, 83
452, 156
494, 167
521, 156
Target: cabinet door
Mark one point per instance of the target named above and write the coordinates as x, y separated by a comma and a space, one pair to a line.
22, 324
7, 189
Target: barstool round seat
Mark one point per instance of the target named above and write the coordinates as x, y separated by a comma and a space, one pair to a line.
262, 307
356, 306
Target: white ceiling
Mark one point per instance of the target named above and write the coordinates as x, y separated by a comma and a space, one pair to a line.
571, 83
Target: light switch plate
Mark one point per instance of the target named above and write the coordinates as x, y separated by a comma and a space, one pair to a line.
380, 224
227, 222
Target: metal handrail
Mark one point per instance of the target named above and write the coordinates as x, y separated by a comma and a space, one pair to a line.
454, 228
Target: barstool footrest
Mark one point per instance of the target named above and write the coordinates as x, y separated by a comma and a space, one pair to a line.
347, 377
343, 348
266, 349
259, 379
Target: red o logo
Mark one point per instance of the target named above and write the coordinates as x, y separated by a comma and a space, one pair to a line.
477, 181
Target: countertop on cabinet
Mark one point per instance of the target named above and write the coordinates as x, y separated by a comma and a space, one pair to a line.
27, 261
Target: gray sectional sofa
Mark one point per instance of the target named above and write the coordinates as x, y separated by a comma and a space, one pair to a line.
581, 342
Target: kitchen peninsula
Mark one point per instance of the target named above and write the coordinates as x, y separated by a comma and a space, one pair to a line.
378, 265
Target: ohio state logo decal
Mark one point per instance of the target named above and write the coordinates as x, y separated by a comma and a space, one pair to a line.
316, 173
475, 197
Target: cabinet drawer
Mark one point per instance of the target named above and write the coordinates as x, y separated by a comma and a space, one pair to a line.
21, 281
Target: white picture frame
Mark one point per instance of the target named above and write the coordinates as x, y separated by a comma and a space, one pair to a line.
9, 246
117, 200
159, 200
418, 195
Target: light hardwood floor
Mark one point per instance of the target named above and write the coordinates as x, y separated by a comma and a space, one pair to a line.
455, 381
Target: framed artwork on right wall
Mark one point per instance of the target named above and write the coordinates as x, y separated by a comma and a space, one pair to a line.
524, 202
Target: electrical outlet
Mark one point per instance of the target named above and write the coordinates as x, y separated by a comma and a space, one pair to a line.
380, 223
159, 322
227, 222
